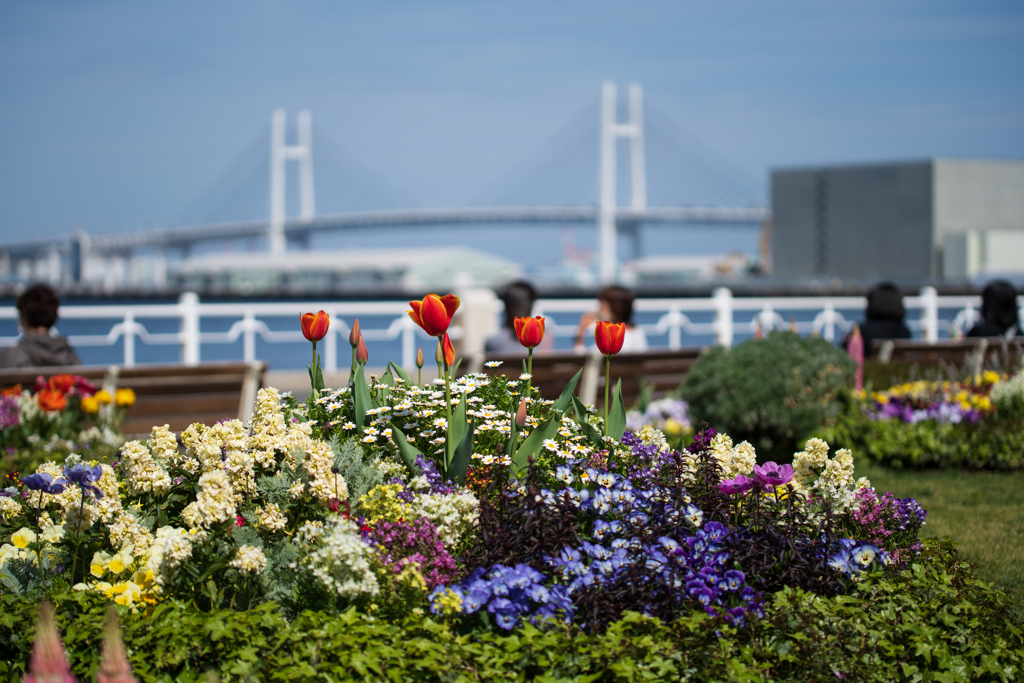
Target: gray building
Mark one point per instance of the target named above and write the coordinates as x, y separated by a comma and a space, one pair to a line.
944, 218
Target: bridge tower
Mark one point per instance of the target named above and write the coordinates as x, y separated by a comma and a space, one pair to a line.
280, 153
611, 131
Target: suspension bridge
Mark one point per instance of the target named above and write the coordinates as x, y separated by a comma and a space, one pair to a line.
694, 185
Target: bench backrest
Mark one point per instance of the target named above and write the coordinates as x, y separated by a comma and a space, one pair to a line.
662, 371
176, 395
981, 352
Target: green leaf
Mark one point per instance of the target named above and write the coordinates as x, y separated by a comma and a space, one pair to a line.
388, 379
535, 441
455, 368
588, 429
463, 454
616, 424
568, 392
456, 431
400, 372
408, 451
360, 397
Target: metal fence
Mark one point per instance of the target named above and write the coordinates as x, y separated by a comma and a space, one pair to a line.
722, 319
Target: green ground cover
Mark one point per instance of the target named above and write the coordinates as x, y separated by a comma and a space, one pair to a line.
983, 511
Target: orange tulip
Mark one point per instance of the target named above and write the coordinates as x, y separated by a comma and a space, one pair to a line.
609, 337
434, 314
51, 399
449, 350
362, 355
13, 390
530, 331
314, 326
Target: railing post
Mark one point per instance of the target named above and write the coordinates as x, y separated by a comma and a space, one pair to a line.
409, 345
129, 339
930, 314
249, 336
188, 304
331, 347
830, 322
723, 315
675, 330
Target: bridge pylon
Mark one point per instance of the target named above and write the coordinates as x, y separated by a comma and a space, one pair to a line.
611, 131
280, 153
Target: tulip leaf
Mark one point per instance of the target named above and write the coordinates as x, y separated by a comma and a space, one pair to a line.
408, 451
616, 424
456, 430
387, 379
360, 397
588, 429
568, 392
455, 368
463, 454
535, 441
400, 372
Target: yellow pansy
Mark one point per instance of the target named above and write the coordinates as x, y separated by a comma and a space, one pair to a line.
53, 533
90, 404
103, 396
124, 397
99, 563
22, 537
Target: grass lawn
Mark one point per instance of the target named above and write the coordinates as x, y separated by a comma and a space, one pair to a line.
984, 512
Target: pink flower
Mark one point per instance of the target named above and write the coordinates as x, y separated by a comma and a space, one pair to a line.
740, 484
772, 474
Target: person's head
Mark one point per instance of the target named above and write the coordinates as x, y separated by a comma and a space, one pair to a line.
999, 304
618, 302
38, 307
885, 303
518, 297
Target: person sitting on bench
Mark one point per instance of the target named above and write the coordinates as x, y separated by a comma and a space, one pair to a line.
519, 298
38, 346
999, 316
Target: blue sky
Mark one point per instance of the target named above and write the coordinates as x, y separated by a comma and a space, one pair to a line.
115, 115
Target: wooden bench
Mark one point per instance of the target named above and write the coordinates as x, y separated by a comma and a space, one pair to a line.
175, 395
979, 352
662, 371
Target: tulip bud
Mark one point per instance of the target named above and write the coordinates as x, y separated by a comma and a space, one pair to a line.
438, 358
521, 413
419, 358
354, 334
362, 355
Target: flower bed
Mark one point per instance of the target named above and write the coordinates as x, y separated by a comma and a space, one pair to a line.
56, 417
975, 424
434, 521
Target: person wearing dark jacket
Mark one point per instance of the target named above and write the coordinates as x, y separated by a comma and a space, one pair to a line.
37, 346
999, 315
883, 318
519, 298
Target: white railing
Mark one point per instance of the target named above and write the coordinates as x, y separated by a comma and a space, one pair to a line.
726, 318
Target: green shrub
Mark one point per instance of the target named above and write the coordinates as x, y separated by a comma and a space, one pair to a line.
771, 392
934, 622
995, 443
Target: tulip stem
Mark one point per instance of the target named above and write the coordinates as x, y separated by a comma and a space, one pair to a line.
607, 387
448, 408
419, 377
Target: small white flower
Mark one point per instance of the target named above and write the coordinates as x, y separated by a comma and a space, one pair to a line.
349, 425
493, 363
551, 445
525, 376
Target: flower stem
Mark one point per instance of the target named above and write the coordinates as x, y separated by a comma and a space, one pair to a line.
448, 408
607, 388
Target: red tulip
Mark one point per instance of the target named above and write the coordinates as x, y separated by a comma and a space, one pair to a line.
521, 413
434, 314
314, 326
62, 383
362, 355
354, 334
530, 331
449, 350
609, 337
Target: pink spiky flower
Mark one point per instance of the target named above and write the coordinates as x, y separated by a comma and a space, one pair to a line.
49, 664
114, 666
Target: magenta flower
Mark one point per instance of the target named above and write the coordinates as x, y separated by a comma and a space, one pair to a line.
772, 474
740, 484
